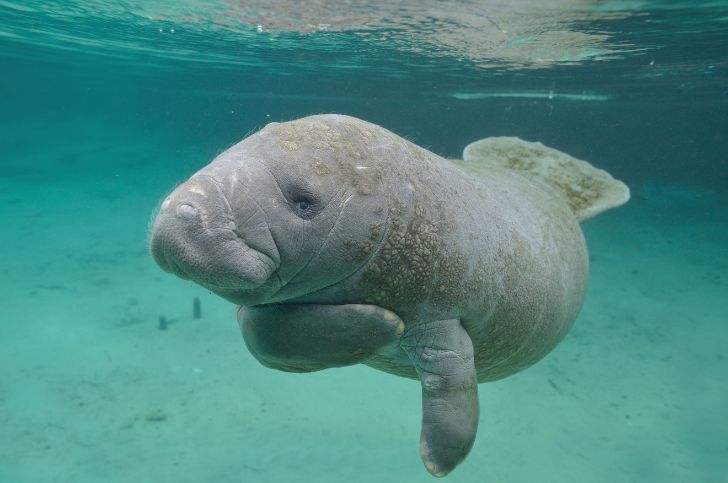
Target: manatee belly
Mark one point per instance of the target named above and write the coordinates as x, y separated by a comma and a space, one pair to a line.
543, 271
526, 276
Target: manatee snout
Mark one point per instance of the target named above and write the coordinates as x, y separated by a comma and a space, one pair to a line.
194, 236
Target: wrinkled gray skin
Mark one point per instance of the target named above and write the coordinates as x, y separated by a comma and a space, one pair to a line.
344, 243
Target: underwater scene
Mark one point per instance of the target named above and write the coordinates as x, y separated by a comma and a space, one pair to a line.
403, 236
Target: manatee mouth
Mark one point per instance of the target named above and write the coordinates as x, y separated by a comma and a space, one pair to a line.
169, 264
217, 260
194, 237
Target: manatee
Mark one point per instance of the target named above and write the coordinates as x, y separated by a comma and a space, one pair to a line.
343, 243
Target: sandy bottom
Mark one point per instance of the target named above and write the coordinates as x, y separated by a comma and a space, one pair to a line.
91, 390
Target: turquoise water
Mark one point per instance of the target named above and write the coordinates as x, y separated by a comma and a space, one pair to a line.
106, 106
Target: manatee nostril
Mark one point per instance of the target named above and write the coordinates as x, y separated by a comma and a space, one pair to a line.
186, 211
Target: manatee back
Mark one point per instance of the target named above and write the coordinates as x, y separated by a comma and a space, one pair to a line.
587, 190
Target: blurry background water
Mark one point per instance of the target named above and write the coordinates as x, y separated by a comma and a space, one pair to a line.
105, 105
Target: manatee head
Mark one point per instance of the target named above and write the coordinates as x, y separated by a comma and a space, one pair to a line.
290, 210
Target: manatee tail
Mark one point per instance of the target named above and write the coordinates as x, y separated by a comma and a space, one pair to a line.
588, 190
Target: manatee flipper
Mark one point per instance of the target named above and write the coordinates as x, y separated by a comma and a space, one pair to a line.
311, 337
588, 190
442, 353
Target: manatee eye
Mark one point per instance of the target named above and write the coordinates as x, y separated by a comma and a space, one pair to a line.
303, 200
305, 205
